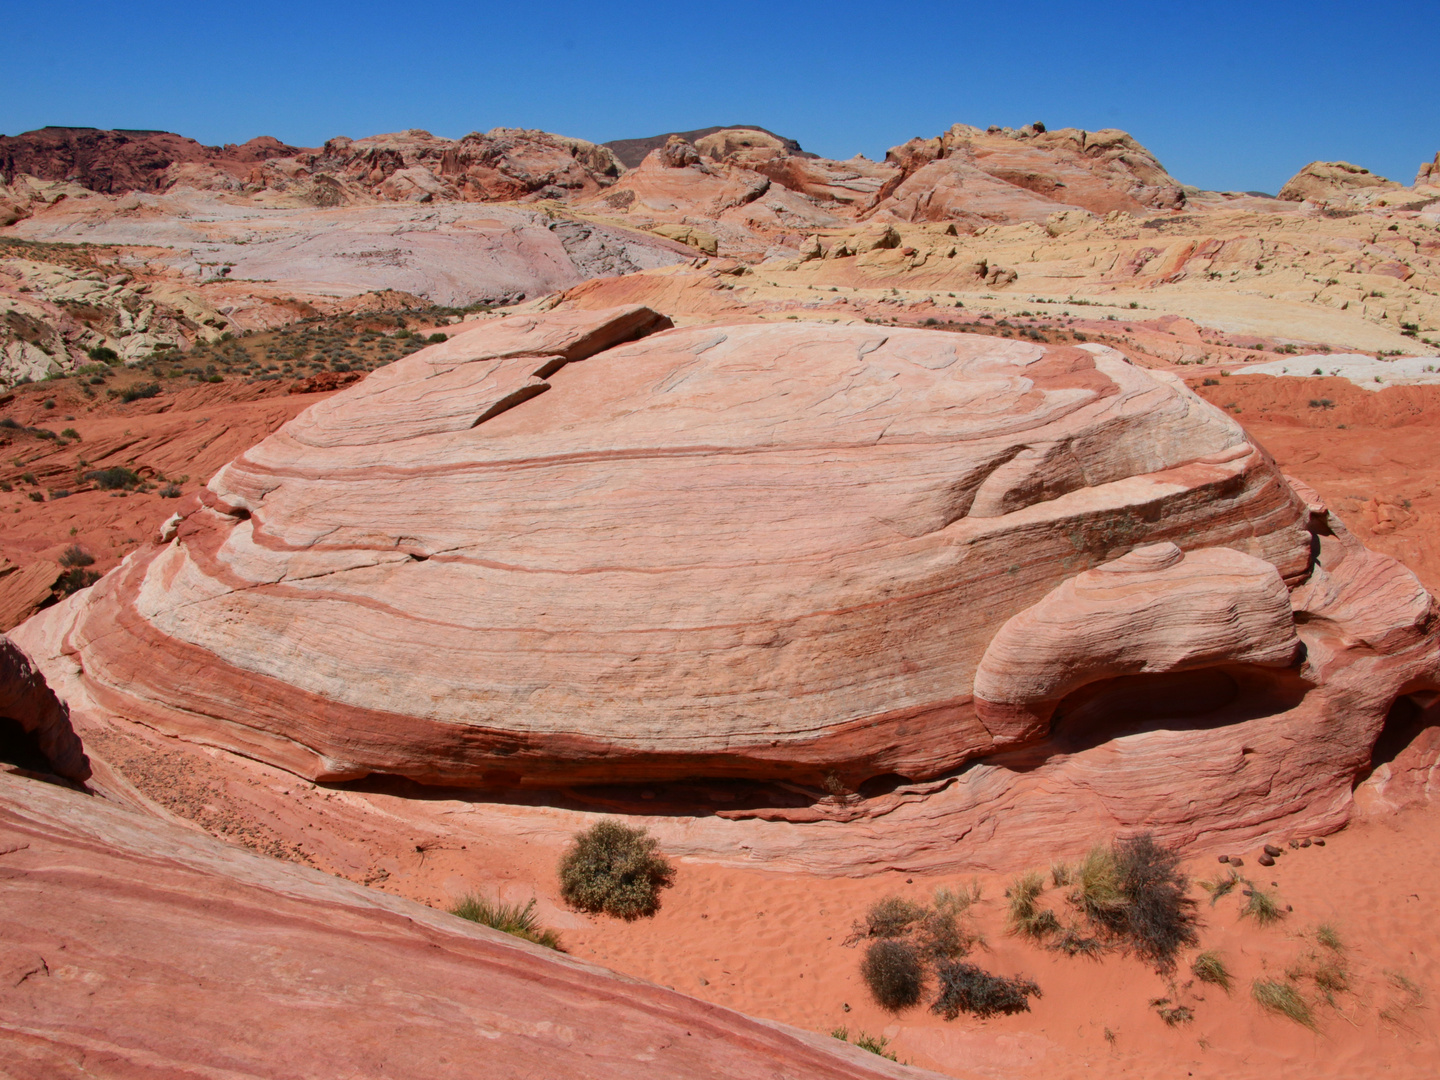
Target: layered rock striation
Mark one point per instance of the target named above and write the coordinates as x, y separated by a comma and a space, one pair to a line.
546, 552
135, 947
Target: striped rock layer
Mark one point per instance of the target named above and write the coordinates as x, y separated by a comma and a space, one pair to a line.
565, 547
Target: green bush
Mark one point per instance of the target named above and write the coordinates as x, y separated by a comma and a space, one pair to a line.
139, 390
115, 478
75, 555
102, 354
518, 920
615, 869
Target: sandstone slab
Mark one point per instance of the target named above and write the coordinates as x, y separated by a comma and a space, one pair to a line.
132, 947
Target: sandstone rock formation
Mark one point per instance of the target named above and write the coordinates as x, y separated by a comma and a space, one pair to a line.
131, 947
630, 152
763, 551
30, 712
977, 177
1330, 181
114, 162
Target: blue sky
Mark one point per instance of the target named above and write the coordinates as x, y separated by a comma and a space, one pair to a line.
1228, 95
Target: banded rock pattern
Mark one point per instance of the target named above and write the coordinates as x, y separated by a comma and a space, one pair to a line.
134, 947
546, 553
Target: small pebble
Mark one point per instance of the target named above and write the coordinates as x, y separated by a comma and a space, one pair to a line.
1235, 860
1224, 858
1319, 842
1289, 907
1305, 842
1273, 851
846, 1006
1294, 845
1266, 859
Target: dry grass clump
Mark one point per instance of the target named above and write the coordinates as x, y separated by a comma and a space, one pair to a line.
1261, 906
1210, 968
1281, 997
615, 869
518, 920
1221, 886
1026, 917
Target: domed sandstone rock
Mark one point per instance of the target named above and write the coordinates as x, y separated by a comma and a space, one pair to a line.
547, 552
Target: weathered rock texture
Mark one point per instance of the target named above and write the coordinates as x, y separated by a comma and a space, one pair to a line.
118, 161
763, 551
133, 947
1327, 181
27, 702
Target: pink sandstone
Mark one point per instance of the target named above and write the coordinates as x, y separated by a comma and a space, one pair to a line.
537, 555
132, 947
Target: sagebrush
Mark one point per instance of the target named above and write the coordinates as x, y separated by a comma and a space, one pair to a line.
615, 869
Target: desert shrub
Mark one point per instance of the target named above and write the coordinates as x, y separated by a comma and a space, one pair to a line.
1281, 997
140, 390
71, 433
1210, 968
518, 920
968, 988
613, 868
75, 555
892, 917
1327, 936
436, 339
1026, 916
1159, 918
73, 580
28, 477
37, 496
10, 422
1261, 906
1097, 891
115, 478
170, 491
894, 972
102, 354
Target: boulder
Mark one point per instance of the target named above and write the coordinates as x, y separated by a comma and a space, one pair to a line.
545, 552
1329, 181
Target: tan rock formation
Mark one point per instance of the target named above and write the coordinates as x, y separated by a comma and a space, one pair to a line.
1331, 181
134, 947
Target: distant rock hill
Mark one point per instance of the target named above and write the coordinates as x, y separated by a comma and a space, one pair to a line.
632, 151
112, 162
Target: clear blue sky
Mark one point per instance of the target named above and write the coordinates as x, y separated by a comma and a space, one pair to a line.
1228, 95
